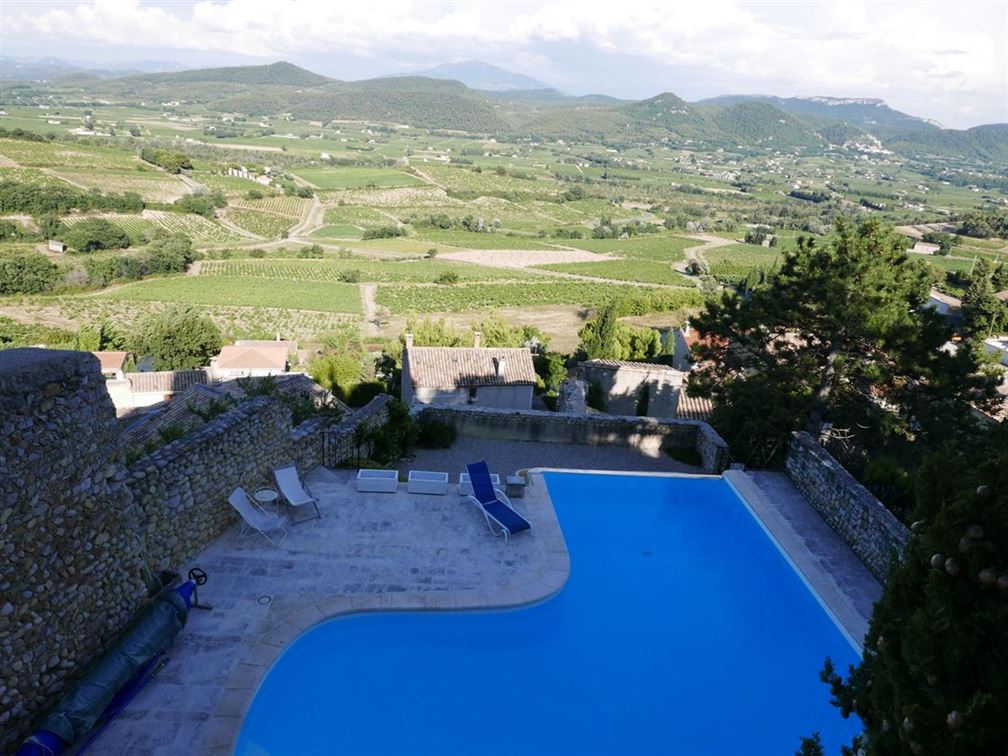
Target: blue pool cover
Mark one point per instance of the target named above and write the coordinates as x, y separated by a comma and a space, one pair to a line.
682, 630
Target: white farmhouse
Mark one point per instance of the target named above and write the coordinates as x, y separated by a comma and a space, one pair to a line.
480, 376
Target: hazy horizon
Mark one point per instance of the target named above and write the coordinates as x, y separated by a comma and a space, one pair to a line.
943, 61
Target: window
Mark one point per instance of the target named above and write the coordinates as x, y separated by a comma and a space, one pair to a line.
472, 395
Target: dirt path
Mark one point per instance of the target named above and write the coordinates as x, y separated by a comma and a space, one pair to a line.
372, 325
695, 253
427, 178
312, 220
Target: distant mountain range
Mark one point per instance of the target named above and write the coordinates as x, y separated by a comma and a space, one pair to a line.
486, 77
44, 69
735, 123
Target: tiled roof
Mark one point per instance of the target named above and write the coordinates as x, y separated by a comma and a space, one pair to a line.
111, 360
290, 346
945, 298
178, 411
617, 364
456, 367
166, 381
269, 357
693, 408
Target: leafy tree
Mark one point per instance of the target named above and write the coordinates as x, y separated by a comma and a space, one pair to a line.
178, 339
51, 227
26, 274
838, 335
169, 253
932, 678
605, 338
96, 233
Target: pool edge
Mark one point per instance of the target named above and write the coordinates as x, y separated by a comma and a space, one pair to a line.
841, 611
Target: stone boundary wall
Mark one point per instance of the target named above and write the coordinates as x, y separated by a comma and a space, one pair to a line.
181, 490
647, 434
338, 441
70, 575
862, 521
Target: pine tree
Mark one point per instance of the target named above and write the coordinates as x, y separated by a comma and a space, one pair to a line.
934, 674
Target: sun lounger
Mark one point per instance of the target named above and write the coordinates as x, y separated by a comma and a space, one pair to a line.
255, 517
494, 503
294, 493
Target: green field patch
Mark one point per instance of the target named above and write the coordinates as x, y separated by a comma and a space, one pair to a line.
72, 156
733, 262
337, 232
248, 292
413, 270
289, 207
353, 215
471, 297
357, 178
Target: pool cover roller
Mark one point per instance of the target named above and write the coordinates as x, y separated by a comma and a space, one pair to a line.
122, 667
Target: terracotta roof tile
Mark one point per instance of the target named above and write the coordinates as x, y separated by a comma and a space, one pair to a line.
111, 360
455, 367
166, 381
253, 357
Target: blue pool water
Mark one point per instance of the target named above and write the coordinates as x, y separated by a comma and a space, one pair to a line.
682, 630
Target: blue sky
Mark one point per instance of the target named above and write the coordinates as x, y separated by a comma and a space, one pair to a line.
942, 60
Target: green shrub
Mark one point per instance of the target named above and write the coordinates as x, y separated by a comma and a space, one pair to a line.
26, 274
434, 434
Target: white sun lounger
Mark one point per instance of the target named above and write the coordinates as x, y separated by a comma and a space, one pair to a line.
294, 493
255, 517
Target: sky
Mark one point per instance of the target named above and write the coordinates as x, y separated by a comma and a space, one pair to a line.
947, 61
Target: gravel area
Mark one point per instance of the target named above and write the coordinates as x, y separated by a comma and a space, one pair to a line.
506, 457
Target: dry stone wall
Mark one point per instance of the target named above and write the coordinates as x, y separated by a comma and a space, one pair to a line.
645, 433
871, 530
77, 526
338, 441
70, 574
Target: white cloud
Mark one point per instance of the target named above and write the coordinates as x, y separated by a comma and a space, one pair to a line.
912, 53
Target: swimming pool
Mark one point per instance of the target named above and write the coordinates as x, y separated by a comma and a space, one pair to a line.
682, 630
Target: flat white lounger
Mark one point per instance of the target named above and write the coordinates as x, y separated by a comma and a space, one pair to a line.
380, 481
465, 485
424, 482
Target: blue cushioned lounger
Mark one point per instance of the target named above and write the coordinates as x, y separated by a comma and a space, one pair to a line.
495, 505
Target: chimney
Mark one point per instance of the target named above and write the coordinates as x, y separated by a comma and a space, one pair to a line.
477, 337
409, 340
499, 365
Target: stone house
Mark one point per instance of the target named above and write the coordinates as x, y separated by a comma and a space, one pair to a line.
944, 304
113, 364
478, 376
636, 388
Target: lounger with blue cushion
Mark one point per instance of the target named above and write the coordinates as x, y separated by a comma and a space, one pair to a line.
494, 504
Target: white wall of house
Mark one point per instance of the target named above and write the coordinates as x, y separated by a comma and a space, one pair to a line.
998, 346
225, 374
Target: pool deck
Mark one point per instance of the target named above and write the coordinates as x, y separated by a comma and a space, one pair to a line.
381, 552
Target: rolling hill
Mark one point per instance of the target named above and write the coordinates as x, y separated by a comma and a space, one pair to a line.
476, 74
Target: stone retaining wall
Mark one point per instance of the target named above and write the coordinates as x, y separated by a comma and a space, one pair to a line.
69, 549
338, 441
871, 530
181, 489
647, 434
77, 526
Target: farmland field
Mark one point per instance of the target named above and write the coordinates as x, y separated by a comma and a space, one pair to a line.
248, 292
469, 240
266, 225
467, 297
644, 271
385, 271
150, 185
356, 178
290, 207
